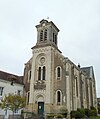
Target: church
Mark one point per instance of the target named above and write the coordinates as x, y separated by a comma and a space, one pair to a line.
52, 81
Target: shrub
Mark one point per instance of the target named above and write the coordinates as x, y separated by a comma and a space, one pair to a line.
80, 113
92, 108
73, 114
93, 112
64, 111
59, 116
87, 112
98, 109
50, 116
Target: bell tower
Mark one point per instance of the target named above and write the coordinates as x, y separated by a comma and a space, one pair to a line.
47, 33
43, 65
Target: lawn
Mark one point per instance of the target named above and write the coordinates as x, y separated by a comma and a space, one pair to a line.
95, 117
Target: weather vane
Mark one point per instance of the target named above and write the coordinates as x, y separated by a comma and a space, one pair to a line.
47, 18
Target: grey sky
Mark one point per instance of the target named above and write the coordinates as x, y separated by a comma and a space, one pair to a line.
79, 36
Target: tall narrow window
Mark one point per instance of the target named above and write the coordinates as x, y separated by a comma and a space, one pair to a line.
53, 37
41, 36
19, 92
30, 75
45, 35
56, 39
39, 73
1, 90
58, 97
76, 86
28, 95
58, 72
43, 73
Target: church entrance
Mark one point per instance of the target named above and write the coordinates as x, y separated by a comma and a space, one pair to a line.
40, 108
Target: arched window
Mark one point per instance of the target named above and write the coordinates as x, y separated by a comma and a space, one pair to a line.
41, 36
45, 34
58, 72
58, 97
43, 78
39, 73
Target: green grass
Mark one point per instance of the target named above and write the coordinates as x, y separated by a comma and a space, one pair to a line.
95, 117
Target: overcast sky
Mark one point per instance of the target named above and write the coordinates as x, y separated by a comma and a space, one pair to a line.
79, 36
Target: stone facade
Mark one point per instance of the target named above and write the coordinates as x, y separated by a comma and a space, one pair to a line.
53, 81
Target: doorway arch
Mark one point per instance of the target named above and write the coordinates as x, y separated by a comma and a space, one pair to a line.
40, 102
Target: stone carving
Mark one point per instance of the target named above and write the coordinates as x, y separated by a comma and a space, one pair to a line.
42, 60
40, 85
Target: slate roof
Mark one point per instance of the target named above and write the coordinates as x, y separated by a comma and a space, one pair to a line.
89, 71
9, 77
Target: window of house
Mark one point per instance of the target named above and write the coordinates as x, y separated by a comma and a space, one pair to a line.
16, 110
19, 92
58, 97
1, 91
5, 111
12, 82
45, 34
41, 35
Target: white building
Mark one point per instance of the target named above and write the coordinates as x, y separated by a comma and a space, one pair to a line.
10, 84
